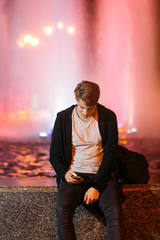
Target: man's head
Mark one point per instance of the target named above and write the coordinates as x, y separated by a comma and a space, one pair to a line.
88, 92
87, 95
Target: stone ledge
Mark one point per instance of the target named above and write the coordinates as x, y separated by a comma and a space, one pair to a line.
126, 188
28, 213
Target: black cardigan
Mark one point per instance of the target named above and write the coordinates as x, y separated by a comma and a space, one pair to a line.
61, 144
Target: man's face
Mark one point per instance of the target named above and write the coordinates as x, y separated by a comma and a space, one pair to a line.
83, 111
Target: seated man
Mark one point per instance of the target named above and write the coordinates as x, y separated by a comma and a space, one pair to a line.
83, 154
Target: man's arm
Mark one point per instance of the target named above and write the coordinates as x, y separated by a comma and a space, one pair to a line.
56, 152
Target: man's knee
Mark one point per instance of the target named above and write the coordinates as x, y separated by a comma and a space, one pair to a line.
111, 210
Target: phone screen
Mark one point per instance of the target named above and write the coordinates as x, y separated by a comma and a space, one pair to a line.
76, 176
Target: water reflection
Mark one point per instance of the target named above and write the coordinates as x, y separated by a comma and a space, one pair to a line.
29, 159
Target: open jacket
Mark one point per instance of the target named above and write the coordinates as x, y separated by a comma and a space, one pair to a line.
61, 144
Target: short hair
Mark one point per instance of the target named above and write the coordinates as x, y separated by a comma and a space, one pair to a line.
87, 91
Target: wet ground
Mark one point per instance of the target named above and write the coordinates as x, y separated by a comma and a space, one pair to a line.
30, 159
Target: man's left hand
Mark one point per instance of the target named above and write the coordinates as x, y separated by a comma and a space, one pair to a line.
91, 196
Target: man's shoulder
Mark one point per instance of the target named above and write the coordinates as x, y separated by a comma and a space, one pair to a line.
67, 111
106, 111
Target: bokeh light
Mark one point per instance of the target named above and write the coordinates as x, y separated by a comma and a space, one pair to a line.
48, 30
21, 44
60, 25
23, 113
34, 42
71, 30
27, 38
43, 134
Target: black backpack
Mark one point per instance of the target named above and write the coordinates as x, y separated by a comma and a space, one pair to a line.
132, 167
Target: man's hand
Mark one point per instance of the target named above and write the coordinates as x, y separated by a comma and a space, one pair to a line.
70, 179
91, 196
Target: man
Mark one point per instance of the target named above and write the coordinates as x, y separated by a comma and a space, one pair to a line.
83, 154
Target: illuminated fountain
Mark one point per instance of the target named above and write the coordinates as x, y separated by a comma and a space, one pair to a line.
47, 47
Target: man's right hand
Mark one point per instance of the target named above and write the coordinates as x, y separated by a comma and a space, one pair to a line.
70, 179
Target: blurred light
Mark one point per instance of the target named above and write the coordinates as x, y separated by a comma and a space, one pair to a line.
23, 113
35, 101
71, 30
120, 130
11, 115
123, 142
27, 38
34, 42
129, 131
48, 30
134, 129
120, 125
60, 25
43, 134
21, 43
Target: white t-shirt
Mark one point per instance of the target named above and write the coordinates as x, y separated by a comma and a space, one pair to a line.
87, 150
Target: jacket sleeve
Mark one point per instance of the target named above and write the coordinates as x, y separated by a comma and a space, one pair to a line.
110, 152
56, 152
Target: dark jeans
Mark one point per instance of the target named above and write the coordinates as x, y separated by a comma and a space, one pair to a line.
70, 195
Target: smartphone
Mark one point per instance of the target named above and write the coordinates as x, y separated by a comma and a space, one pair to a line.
76, 176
